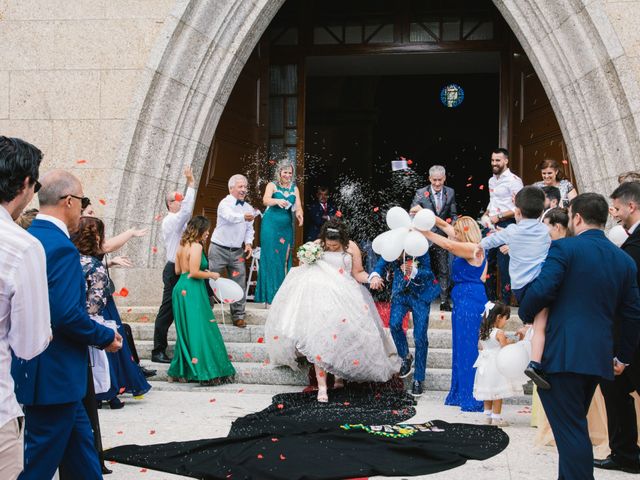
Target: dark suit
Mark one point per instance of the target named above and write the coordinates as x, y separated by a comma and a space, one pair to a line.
621, 412
315, 220
448, 210
52, 385
586, 281
411, 294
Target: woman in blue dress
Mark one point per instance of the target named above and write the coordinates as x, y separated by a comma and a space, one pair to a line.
126, 375
282, 200
469, 297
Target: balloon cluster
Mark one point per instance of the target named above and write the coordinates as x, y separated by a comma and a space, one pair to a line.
404, 234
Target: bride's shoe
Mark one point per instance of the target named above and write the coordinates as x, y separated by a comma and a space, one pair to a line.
323, 397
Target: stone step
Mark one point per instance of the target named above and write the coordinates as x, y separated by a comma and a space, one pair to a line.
438, 338
256, 314
257, 352
437, 379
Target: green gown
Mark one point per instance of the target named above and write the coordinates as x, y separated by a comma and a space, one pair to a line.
276, 238
199, 353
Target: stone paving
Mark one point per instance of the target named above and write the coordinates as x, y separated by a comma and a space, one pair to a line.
173, 412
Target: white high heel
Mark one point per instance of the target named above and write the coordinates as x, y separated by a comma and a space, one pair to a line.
323, 397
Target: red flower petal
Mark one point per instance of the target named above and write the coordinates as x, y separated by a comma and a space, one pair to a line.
241, 390
481, 187
335, 336
143, 318
466, 228
274, 440
248, 355
409, 162
338, 214
260, 457
212, 400
154, 249
184, 293
157, 218
129, 310
81, 162
468, 185
124, 292
470, 177
260, 340
152, 432
321, 374
341, 271
426, 194
235, 273
346, 404
143, 470
356, 362
318, 358
275, 337
102, 201
120, 432
375, 209
282, 457
448, 220
194, 360
122, 390
179, 197
280, 406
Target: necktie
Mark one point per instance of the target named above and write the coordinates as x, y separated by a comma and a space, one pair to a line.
324, 207
438, 202
239, 202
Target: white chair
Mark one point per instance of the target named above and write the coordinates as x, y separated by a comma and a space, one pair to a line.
255, 266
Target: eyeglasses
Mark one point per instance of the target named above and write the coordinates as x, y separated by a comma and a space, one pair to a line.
84, 201
37, 187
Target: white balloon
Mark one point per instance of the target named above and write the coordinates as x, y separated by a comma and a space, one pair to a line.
618, 235
415, 244
424, 220
512, 360
226, 290
379, 241
397, 218
394, 244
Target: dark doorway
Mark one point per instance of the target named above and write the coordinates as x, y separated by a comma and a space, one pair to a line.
356, 125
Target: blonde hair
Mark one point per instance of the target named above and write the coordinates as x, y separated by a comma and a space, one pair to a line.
467, 230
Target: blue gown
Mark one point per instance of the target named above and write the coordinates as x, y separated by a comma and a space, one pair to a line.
469, 298
126, 375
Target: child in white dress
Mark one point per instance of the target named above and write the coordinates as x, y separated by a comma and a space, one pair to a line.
490, 385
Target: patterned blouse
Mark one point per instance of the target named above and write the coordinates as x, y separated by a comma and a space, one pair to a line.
565, 187
97, 284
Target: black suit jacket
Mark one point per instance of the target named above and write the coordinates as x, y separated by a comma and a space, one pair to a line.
424, 198
632, 247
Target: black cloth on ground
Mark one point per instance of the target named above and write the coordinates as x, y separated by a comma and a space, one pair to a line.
356, 434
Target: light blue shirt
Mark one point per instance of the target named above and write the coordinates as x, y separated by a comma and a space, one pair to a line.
529, 242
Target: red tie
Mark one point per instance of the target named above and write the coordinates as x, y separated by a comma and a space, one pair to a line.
324, 207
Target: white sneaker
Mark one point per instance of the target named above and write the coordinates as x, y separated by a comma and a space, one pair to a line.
499, 422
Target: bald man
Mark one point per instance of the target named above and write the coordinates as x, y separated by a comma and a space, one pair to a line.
51, 386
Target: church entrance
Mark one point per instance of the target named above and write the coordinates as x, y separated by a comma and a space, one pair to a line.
342, 89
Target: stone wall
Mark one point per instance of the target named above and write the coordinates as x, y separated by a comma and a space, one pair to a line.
136, 87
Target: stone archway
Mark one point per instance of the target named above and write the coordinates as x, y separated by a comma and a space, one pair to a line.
205, 43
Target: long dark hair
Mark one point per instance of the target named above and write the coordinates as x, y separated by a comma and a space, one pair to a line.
489, 319
89, 239
334, 230
195, 229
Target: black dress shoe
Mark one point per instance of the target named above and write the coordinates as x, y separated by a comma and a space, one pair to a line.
160, 358
445, 307
610, 464
416, 388
105, 470
538, 377
147, 372
405, 369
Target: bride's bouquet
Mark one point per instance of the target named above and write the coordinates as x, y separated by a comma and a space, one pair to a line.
310, 253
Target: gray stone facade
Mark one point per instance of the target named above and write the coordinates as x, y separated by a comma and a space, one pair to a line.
136, 88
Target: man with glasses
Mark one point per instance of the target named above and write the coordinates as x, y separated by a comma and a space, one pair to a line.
180, 210
25, 325
51, 386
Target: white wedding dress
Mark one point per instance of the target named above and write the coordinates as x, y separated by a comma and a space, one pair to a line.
322, 313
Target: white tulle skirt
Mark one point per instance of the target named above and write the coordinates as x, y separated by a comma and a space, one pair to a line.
329, 318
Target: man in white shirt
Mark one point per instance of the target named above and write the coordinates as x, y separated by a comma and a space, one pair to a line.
180, 210
503, 186
232, 240
25, 325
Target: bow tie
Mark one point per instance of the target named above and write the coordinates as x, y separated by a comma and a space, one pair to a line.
239, 202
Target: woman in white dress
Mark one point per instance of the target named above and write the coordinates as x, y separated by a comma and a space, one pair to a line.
322, 313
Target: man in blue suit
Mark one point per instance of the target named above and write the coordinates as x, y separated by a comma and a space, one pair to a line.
414, 288
318, 213
586, 282
51, 386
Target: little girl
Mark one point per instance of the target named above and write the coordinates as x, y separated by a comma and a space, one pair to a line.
490, 385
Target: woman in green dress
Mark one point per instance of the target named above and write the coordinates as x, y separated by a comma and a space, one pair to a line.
282, 199
199, 353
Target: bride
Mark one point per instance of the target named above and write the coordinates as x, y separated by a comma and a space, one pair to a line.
322, 313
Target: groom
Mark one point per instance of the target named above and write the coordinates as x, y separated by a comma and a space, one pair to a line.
587, 282
414, 288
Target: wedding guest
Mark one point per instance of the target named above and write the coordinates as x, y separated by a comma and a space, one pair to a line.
581, 319
469, 299
629, 177
552, 176
282, 199
126, 375
440, 199
552, 198
413, 289
26, 217
503, 186
52, 385
200, 353
319, 212
321, 313
557, 221
232, 240
180, 208
621, 412
25, 325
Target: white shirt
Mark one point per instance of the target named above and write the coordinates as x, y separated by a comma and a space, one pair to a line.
25, 322
502, 188
232, 230
174, 225
633, 228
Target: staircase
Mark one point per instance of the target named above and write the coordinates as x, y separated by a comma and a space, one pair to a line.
249, 354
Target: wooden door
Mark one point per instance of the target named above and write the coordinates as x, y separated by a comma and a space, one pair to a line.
534, 130
239, 139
